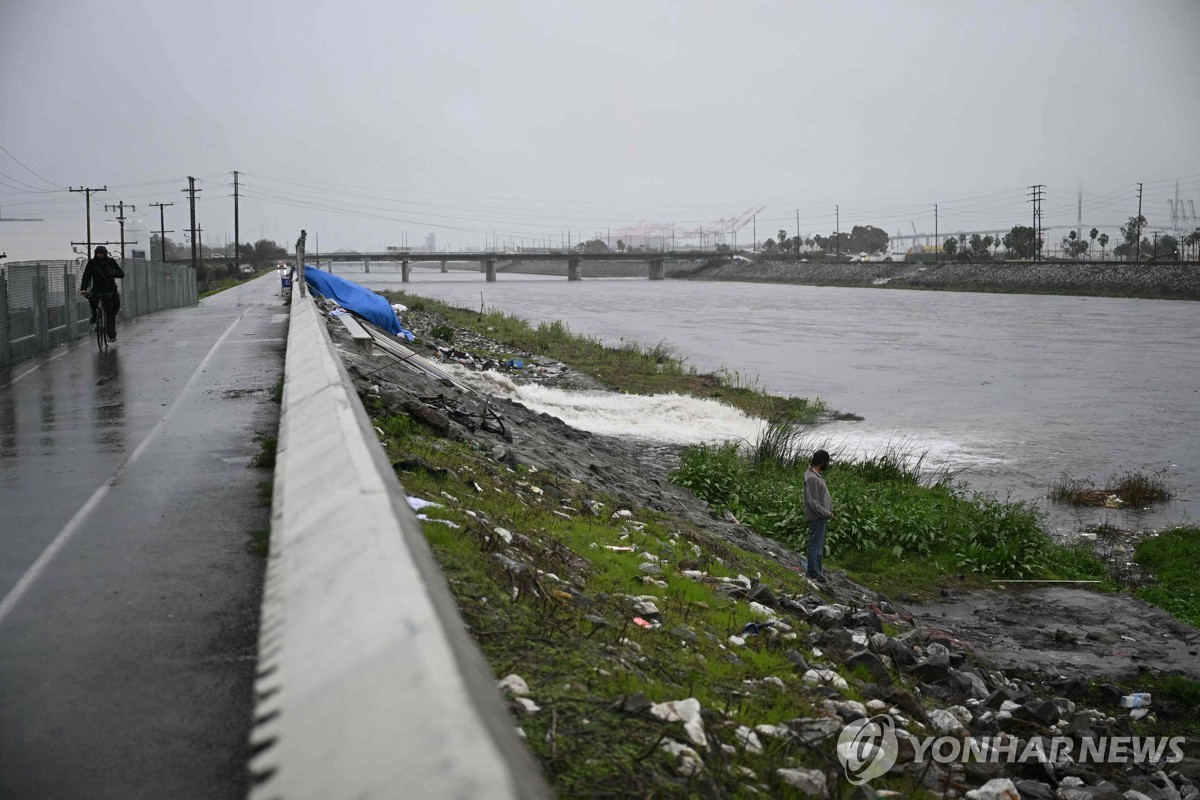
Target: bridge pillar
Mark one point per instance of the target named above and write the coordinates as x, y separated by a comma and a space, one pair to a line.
657, 271
367, 267
404, 270
483, 265
444, 270
491, 270
573, 269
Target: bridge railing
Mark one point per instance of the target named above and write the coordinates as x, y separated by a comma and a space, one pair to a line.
41, 308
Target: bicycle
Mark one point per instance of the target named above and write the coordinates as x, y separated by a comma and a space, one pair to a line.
100, 321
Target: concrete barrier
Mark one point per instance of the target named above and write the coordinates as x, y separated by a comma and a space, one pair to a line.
369, 686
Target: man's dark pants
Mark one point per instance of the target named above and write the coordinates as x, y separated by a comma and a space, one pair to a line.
112, 304
816, 546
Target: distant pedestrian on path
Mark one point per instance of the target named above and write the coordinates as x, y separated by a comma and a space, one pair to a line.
818, 510
99, 284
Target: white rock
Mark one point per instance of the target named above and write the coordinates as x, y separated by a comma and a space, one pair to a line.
690, 762
816, 676
760, 611
963, 714
748, 739
527, 705
774, 681
995, 789
504, 534
513, 684
1009, 706
809, 781
944, 721
737, 641
773, 731
685, 711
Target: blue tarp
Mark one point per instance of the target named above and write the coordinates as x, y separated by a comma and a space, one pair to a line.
349, 295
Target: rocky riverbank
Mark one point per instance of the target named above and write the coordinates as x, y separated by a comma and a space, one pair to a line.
1019, 669
1111, 279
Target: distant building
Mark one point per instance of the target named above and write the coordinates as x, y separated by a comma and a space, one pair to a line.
430, 243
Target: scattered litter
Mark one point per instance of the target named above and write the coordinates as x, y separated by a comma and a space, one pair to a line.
645, 623
446, 522
417, 503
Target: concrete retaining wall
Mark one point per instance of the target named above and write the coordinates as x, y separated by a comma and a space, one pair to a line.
369, 686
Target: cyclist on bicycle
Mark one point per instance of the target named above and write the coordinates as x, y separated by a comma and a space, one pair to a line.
100, 275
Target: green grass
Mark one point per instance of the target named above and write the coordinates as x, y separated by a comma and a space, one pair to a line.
1173, 558
265, 457
1132, 489
634, 367
534, 621
900, 525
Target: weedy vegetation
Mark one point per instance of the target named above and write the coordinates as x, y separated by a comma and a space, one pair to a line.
1132, 489
901, 525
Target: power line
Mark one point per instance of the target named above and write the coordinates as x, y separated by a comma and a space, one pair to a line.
14, 158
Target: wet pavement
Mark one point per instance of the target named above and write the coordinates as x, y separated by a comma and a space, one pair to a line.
129, 600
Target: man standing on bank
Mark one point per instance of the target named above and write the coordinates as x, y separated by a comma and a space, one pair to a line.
100, 277
818, 510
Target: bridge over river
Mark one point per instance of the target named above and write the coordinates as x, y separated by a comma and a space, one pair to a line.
655, 261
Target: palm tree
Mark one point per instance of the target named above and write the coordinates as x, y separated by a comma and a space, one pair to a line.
1103, 244
1093, 233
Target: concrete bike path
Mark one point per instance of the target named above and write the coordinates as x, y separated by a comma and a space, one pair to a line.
128, 600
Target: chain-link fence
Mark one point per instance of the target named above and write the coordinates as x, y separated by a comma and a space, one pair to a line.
41, 308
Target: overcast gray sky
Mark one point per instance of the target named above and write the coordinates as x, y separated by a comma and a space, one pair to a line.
375, 123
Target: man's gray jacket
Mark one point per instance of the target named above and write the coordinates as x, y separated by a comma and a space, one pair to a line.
817, 502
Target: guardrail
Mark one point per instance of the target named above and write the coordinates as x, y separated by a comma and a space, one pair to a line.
368, 684
41, 308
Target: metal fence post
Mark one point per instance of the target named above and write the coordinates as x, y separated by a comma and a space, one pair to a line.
41, 327
68, 303
6, 355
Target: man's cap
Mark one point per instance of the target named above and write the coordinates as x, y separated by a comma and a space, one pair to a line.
101, 249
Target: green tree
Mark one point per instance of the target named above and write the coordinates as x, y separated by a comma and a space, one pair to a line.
1093, 233
868, 239
1103, 244
1021, 242
1130, 232
1073, 246
769, 244
1168, 248
620, 246
950, 247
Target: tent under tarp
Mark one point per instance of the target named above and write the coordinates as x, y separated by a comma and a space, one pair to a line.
349, 295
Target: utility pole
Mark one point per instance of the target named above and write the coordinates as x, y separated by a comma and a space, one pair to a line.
87, 199
1138, 247
797, 231
837, 225
936, 244
237, 253
1036, 198
120, 209
162, 230
191, 192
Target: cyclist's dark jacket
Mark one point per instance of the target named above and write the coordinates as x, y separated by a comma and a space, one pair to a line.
101, 273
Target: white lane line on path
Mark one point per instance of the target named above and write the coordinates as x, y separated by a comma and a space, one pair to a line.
41, 364
38, 567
